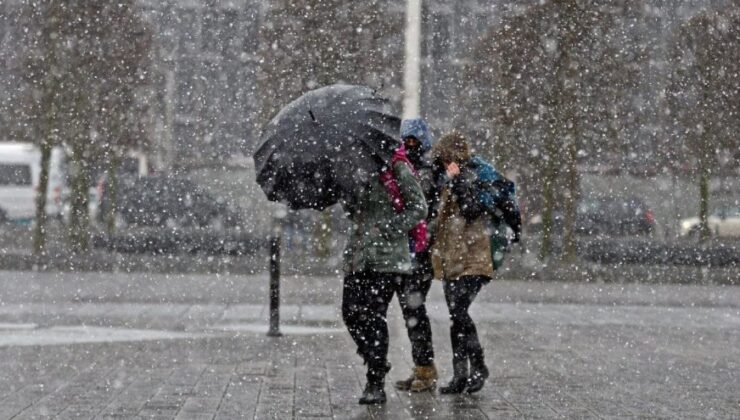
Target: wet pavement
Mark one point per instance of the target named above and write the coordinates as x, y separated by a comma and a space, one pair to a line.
120, 345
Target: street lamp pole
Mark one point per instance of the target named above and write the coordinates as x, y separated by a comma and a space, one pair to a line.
412, 62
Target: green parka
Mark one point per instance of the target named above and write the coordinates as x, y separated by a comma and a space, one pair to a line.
379, 238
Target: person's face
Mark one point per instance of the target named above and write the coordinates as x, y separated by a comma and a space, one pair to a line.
412, 143
413, 147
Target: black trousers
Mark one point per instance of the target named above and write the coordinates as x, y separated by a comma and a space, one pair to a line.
365, 300
412, 290
459, 295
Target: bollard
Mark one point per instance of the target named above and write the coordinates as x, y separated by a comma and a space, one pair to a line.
274, 330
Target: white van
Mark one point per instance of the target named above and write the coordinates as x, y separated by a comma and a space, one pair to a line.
20, 170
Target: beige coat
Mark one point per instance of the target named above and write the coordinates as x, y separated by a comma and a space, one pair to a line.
460, 248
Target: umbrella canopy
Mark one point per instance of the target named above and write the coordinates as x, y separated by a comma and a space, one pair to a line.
325, 146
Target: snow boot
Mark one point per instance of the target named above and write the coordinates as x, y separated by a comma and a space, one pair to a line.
423, 378
478, 374
459, 379
374, 392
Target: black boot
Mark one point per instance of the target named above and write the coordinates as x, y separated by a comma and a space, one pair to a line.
459, 379
478, 373
374, 392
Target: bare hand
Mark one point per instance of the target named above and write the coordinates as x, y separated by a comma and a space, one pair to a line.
452, 170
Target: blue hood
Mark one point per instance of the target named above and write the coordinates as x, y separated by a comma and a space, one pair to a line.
417, 128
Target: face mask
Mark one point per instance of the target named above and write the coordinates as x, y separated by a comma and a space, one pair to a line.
413, 151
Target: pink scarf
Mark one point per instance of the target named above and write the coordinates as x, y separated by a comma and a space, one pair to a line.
419, 232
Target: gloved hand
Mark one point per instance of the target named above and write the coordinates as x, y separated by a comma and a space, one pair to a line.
517, 237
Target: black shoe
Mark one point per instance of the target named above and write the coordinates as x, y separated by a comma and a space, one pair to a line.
459, 378
373, 394
477, 379
456, 385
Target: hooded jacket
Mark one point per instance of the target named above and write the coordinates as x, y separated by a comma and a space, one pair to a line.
379, 238
462, 229
462, 244
418, 129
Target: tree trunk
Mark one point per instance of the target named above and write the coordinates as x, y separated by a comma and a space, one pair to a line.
39, 232
548, 198
47, 143
571, 201
704, 232
111, 190
79, 227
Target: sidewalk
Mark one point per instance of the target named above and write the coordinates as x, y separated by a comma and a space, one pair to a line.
193, 347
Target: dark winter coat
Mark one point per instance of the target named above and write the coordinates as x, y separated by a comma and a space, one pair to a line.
379, 237
428, 177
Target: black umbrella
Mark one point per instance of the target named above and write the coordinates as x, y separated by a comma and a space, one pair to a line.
325, 146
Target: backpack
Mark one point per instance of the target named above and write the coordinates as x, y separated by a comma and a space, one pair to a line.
497, 194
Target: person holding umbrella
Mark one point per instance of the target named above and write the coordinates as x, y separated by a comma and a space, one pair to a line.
376, 257
339, 144
412, 289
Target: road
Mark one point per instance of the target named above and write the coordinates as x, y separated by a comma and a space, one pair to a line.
133, 345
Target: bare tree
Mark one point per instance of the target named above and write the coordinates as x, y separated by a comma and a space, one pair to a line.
545, 78
84, 62
704, 95
40, 69
124, 68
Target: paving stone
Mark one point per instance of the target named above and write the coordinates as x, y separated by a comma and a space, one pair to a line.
184, 415
201, 405
560, 352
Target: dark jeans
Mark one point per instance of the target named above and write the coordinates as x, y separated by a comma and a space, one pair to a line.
459, 295
365, 302
412, 292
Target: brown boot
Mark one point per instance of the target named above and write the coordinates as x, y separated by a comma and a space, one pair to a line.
405, 384
423, 378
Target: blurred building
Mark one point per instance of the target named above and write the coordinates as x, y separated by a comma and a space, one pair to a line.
451, 31
205, 91
206, 83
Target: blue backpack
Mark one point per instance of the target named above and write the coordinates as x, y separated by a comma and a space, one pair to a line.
497, 194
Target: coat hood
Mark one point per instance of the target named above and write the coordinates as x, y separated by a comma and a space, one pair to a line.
452, 147
417, 128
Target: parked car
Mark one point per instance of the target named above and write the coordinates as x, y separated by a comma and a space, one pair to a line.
160, 201
725, 221
20, 172
614, 216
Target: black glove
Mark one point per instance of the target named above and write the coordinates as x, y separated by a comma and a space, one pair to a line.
517, 237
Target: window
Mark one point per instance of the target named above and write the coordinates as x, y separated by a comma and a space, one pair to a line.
440, 36
210, 31
15, 174
187, 23
229, 28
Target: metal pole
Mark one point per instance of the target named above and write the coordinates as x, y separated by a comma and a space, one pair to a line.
411, 74
274, 330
